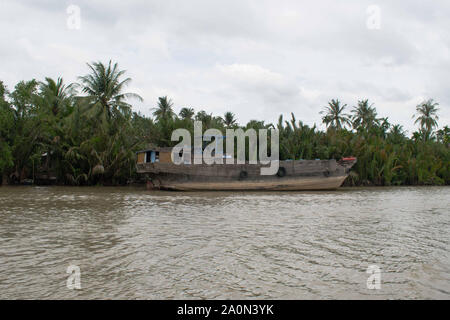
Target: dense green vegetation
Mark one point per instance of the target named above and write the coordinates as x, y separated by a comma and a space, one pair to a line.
87, 133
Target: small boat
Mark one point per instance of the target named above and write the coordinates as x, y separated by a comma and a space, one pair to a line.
161, 173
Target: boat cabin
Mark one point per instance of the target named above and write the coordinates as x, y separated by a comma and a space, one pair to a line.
161, 155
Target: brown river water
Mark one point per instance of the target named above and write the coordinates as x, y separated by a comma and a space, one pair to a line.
130, 243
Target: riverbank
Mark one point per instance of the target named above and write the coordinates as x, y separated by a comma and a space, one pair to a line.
143, 186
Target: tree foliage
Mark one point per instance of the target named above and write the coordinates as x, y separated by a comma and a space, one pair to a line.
87, 134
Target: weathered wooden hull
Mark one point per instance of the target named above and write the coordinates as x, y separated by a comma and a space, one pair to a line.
297, 175
287, 184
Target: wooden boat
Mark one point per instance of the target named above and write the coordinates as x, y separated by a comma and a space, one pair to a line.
156, 164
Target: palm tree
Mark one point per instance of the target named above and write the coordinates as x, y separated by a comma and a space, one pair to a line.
6, 126
229, 119
397, 130
164, 110
104, 87
396, 134
204, 117
364, 115
443, 135
257, 125
427, 116
187, 113
56, 95
334, 116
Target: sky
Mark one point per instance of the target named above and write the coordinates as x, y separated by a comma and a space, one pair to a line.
257, 59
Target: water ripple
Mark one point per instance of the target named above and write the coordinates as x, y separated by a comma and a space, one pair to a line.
133, 244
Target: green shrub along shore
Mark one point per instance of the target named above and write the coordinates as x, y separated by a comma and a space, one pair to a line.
87, 134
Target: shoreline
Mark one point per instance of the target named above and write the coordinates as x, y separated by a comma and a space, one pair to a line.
143, 186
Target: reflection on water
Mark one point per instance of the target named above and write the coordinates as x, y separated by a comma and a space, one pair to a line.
134, 244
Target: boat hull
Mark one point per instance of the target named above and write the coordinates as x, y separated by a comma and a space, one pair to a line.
287, 184
295, 176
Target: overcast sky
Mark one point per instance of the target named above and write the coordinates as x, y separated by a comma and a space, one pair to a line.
257, 59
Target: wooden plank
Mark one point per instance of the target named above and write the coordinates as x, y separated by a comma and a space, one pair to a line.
141, 157
165, 157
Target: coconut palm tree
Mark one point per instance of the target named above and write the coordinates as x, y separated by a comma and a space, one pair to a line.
55, 94
396, 134
186, 113
397, 130
164, 110
204, 117
257, 125
364, 115
426, 116
104, 89
334, 115
6, 127
229, 119
443, 135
